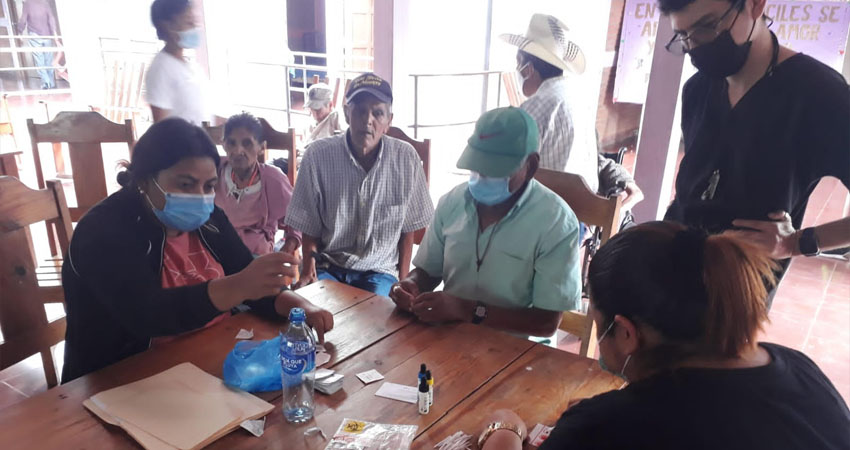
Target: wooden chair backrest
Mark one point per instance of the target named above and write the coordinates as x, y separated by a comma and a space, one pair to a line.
590, 209
23, 320
275, 140
511, 88
84, 132
423, 149
125, 81
6, 128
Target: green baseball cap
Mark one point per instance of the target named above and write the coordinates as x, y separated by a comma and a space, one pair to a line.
503, 138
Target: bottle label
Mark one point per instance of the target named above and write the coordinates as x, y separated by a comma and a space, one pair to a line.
297, 357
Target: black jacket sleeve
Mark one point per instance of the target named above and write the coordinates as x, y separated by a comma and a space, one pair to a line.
235, 257
116, 271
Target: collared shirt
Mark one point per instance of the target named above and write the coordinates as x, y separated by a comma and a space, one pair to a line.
532, 259
567, 137
360, 216
329, 126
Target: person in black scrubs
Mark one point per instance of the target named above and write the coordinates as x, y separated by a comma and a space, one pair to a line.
761, 126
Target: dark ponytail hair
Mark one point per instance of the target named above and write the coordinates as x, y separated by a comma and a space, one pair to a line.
705, 295
164, 145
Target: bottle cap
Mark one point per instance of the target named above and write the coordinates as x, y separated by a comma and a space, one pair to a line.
423, 386
428, 375
297, 315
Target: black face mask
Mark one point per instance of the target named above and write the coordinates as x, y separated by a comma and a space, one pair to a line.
721, 57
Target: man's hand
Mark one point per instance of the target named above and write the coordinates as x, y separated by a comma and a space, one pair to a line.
631, 196
777, 236
404, 293
308, 273
434, 307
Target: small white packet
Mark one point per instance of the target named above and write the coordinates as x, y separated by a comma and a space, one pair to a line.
255, 427
245, 334
370, 376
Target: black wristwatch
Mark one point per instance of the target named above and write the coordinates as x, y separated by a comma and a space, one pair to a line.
809, 242
480, 313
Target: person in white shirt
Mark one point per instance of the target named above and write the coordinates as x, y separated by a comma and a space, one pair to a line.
174, 87
567, 135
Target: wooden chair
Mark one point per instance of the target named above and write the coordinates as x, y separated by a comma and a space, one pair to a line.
23, 321
512, 88
590, 209
84, 132
423, 149
9, 159
124, 85
275, 140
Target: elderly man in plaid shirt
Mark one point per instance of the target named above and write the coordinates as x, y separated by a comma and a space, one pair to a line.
360, 196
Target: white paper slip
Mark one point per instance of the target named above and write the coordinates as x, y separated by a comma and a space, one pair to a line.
323, 373
245, 334
255, 427
398, 392
322, 358
539, 434
370, 376
332, 379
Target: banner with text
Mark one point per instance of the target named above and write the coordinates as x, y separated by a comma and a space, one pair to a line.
816, 28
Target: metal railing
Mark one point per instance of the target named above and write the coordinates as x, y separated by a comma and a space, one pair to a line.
16, 50
303, 68
484, 96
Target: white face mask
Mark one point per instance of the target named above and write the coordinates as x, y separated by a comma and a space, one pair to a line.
519, 77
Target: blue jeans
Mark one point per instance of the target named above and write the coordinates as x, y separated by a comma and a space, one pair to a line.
379, 283
43, 59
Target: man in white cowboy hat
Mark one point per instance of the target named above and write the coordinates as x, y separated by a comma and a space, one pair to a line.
567, 137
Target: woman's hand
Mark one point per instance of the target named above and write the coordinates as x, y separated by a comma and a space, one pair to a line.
318, 318
267, 275
504, 439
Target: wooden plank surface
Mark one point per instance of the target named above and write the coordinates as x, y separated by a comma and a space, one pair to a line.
539, 386
476, 370
72, 426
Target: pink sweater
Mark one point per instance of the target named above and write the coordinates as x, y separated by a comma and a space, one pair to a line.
259, 212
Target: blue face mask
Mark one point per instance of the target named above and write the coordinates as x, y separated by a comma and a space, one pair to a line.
190, 38
488, 191
603, 366
184, 212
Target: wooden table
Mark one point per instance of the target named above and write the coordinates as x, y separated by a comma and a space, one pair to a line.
476, 370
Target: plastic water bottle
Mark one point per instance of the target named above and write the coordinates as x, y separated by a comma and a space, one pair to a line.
298, 367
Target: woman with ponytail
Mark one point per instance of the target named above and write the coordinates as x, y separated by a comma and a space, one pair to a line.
157, 258
678, 315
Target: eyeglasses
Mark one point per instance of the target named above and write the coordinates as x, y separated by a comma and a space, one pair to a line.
702, 34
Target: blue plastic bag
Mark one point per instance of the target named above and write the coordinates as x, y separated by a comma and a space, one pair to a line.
254, 366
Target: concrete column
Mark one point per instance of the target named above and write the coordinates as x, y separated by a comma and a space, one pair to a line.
660, 131
382, 32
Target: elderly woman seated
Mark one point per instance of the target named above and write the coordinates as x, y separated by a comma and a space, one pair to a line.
254, 196
679, 314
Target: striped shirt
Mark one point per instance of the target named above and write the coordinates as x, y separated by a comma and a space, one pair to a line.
360, 216
567, 141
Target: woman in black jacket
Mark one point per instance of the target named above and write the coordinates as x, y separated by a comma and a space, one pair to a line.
157, 259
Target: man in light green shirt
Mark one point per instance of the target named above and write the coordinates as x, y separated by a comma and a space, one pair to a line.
505, 245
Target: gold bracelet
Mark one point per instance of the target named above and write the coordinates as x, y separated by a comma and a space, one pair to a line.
495, 426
